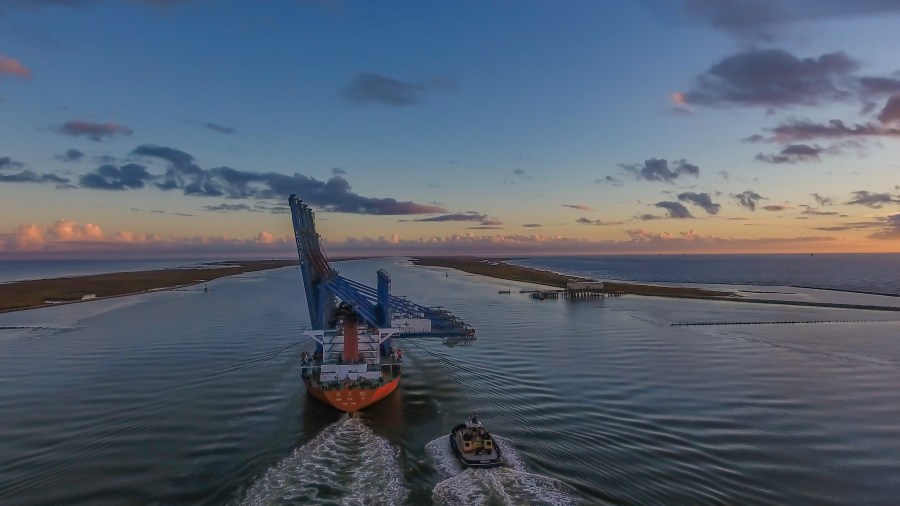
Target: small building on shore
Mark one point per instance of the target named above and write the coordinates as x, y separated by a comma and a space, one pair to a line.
584, 285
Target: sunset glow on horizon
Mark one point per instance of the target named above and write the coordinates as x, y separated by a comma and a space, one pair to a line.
179, 128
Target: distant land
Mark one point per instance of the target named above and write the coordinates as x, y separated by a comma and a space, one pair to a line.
38, 293
498, 268
35, 293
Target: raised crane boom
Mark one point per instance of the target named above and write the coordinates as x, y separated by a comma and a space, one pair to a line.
324, 286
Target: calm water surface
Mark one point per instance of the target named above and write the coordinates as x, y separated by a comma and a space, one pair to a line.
191, 398
873, 273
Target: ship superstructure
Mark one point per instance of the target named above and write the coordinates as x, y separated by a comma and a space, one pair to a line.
355, 363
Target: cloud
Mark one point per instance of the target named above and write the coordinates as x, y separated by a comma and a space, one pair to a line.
890, 230
519, 172
110, 177
67, 237
532, 225
754, 21
702, 200
222, 129
794, 153
29, 176
754, 138
183, 173
367, 87
277, 208
160, 211
612, 181
815, 212
471, 216
744, 19
891, 111
748, 199
12, 67
773, 78
93, 131
68, 230
822, 201
483, 220
71, 155
337, 171
796, 130
674, 209
580, 207
637, 241
8, 163
776, 207
657, 169
871, 199
225, 208
600, 223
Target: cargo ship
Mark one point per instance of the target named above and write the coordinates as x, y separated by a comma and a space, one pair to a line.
354, 364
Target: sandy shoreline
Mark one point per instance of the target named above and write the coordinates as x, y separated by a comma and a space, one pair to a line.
32, 294
499, 269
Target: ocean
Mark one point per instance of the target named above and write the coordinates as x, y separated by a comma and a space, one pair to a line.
869, 273
195, 398
19, 270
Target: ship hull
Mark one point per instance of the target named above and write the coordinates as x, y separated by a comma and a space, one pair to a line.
352, 399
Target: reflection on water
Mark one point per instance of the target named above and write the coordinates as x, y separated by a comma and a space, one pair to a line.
192, 398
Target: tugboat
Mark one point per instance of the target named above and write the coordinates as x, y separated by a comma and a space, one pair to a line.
474, 446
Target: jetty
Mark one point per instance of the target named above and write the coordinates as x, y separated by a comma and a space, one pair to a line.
576, 290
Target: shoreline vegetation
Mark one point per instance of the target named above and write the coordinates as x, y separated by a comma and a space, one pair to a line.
35, 293
499, 269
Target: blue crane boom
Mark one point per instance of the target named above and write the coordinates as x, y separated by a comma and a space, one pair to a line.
323, 285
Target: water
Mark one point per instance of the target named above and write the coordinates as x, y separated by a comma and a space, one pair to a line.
872, 273
192, 398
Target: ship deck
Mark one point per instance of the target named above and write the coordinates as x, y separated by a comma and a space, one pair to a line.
389, 367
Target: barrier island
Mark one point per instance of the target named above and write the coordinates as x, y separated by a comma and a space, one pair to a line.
498, 268
35, 293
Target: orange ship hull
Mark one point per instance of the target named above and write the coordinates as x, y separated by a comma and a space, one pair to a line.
352, 399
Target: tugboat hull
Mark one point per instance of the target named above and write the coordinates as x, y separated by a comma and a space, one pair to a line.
494, 459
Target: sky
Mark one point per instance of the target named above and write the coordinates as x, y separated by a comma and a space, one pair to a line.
178, 128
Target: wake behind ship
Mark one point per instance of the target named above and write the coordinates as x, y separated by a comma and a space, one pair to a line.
355, 364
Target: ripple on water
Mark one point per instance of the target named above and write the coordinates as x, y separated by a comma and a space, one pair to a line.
345, 464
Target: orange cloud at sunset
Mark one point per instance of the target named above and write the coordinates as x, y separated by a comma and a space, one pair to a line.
69, 237
12, 67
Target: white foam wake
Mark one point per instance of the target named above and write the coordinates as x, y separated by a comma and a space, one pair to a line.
509, 484
345, 464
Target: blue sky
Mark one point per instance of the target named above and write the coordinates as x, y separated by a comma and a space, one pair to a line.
478, 117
